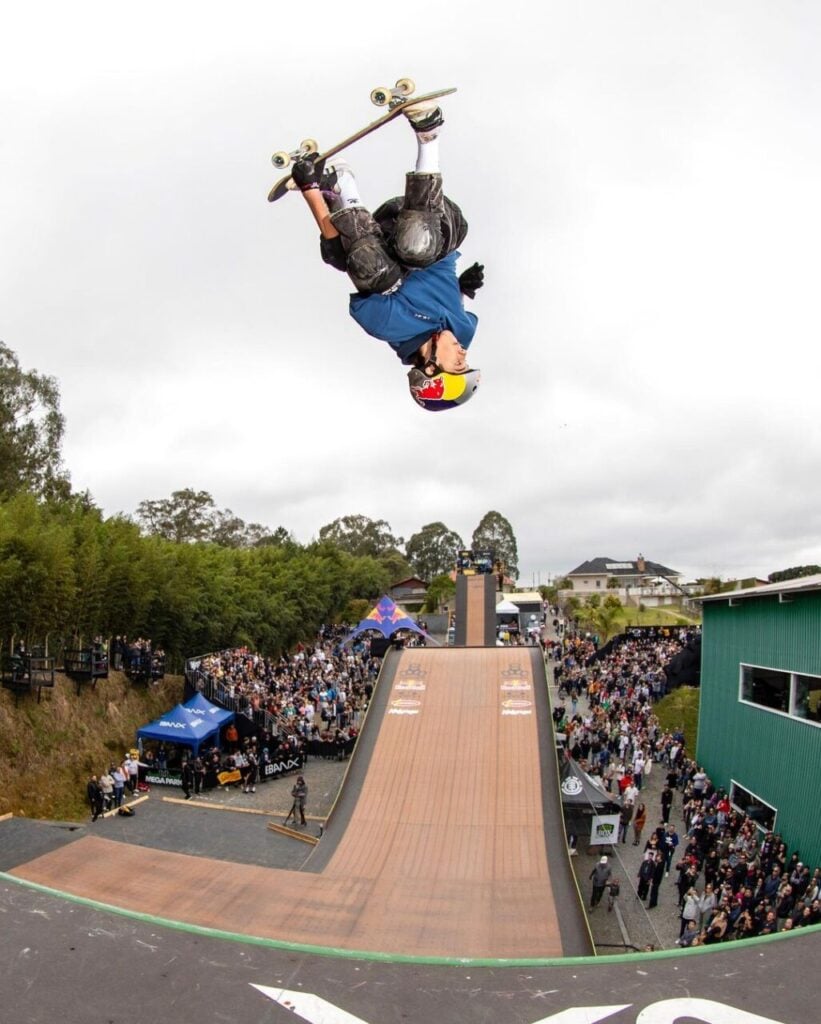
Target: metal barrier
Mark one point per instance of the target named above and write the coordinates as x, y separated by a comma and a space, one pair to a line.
211, 688
86, 665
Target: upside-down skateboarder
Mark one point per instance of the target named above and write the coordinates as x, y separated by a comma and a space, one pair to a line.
402, 261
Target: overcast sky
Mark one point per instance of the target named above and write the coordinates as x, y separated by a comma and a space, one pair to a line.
642, 185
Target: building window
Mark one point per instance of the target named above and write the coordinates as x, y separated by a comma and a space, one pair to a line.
788, 693
762, 813
766, 687
807, 698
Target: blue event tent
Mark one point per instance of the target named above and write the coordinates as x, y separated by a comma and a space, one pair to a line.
199, 705
181, 725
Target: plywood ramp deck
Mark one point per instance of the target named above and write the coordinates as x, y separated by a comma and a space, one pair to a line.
444, 854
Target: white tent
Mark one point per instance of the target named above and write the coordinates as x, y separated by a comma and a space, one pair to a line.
506, 608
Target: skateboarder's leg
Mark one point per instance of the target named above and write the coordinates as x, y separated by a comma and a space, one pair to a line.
429, 225
369, 264
351, 238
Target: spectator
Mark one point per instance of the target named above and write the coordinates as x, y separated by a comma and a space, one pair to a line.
300, 795
107, 790
600, 876
689, 911
647, 869
119, 784
95, 797
639, 821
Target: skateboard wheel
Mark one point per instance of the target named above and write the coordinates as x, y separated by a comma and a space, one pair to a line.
405, 86
281, 159
308, 146
381, 97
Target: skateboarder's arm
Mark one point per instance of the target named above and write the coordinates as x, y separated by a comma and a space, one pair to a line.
322, 216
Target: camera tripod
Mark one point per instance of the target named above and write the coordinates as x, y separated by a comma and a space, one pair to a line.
292, 814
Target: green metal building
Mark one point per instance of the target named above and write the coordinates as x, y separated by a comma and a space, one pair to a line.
759, 730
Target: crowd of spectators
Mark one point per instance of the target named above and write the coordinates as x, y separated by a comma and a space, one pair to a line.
309, 701
732, 878
109, 790
139, 658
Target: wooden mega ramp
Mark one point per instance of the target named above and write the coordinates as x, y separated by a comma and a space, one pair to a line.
453, 847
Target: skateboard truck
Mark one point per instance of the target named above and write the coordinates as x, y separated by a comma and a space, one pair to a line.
383, 97
282, 159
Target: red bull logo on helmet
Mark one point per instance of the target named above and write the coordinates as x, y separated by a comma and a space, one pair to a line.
443, 391
431, 387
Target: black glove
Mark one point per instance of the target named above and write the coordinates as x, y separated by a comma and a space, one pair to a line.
472, 279
307, 172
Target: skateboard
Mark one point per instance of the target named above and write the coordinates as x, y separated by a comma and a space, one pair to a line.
395, 99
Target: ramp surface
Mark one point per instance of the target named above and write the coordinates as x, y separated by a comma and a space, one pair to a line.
451, 849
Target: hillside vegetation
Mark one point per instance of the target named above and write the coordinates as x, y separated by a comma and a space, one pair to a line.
679, 710
48, 750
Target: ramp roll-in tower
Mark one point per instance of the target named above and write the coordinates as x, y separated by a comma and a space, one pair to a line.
475, 610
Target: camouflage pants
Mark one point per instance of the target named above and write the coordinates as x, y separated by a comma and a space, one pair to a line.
410, 231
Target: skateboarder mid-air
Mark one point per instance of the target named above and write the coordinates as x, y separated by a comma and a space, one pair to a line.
402, 261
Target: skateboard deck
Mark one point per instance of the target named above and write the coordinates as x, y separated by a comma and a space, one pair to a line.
395, 99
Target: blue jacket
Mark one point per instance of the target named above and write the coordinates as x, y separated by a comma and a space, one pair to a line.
428, 300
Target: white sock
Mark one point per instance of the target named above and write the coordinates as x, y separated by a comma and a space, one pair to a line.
348, 194
427, 156
348, 189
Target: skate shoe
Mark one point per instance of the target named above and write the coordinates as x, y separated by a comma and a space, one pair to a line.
425, 118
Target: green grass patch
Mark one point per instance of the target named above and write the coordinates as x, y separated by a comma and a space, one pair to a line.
673, 616
679, 710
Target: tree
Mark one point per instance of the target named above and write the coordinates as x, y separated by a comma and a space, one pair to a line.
359, 535
229, 531
31, 432
495, 533
795, 573
432, 551
189, 516
395, 565
608, 616
441, 590
280, 538
185, 517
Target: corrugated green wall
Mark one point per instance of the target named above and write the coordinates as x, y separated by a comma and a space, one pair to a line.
775, 757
